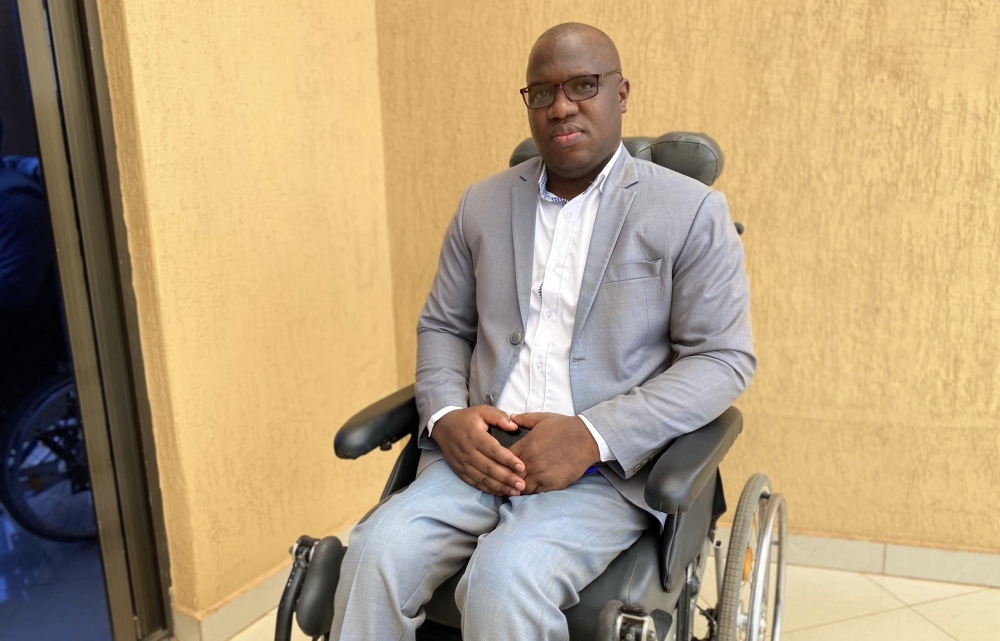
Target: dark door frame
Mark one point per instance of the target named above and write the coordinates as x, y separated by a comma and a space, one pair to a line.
72, 105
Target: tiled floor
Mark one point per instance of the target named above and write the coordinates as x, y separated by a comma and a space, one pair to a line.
823, 605
50, 590
829, 605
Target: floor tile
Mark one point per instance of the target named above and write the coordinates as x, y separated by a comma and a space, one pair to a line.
6, 614
240, 613
916, 591
74, 610
897, 625
971, 617
815, 596
81, 562
50, 590
263, 630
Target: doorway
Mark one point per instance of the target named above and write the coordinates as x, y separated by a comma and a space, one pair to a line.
82, 549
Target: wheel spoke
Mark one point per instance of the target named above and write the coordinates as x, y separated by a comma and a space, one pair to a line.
44, 457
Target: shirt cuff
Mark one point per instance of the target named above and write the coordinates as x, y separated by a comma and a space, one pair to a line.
602, 445
437, 417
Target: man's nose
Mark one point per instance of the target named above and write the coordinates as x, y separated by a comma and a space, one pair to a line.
562, 106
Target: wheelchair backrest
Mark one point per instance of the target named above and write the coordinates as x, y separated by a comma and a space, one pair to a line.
693, 154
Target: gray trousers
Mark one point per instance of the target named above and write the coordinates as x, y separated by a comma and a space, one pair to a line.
530, 557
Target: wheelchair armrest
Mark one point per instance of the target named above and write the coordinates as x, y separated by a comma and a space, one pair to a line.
687, 465
379, 425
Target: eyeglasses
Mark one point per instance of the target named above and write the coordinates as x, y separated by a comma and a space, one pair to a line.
576, 89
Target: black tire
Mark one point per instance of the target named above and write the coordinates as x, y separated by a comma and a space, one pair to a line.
44, 480
742, 543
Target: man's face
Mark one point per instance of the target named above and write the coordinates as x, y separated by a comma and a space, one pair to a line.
575, 138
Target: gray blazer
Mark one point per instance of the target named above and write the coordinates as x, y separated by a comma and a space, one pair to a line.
661, 342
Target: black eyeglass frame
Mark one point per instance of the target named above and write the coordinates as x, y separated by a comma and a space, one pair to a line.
556, 86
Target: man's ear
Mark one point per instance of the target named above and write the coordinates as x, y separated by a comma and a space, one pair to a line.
623, 89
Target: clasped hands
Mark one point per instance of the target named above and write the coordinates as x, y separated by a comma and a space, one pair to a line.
556, 451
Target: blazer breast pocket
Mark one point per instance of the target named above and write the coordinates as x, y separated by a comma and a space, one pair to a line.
633, 271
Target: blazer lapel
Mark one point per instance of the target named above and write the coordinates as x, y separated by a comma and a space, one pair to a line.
524, 204
615, 203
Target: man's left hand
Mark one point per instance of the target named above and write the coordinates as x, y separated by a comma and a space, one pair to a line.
556, 452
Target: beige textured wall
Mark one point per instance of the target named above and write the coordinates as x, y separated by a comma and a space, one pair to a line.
250, 142
863, 147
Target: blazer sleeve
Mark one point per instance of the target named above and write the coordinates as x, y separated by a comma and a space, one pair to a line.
711, 336
447, 329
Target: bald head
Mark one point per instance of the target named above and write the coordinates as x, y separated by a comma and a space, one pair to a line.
572, 35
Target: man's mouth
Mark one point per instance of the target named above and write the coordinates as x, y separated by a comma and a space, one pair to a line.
567, 139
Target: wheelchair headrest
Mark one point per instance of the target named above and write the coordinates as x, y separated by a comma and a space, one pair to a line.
692, 154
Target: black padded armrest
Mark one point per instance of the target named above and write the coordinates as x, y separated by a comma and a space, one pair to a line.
379, 425
688, 464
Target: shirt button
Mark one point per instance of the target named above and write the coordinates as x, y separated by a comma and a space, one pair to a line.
548, 314
538, 366
515, 338
489, 399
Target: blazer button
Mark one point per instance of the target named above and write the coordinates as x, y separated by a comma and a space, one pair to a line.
489, 399
515, 338
637, 467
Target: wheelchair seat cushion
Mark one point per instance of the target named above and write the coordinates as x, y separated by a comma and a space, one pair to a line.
632, 577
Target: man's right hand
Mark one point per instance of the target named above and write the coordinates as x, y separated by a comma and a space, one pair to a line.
475, 455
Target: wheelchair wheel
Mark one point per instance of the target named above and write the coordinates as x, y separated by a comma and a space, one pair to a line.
753, 589
44, 478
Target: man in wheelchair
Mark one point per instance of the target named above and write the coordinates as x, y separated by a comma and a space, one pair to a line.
588, 309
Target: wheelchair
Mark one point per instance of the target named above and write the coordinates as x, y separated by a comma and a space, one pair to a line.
651, 590
44, 476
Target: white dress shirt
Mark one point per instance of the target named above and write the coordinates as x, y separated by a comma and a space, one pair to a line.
540, 380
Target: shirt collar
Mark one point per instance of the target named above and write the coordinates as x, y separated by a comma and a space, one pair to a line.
545, 194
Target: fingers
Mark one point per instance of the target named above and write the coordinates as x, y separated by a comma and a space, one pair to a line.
471, 480
493, 466
529, 419
485, 481
494, 416
485, 475
503, 456
493, 471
